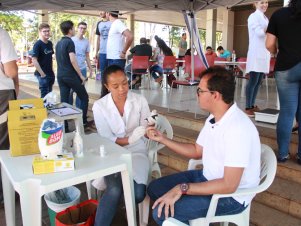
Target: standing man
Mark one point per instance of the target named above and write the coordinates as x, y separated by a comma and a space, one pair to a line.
182, 50
229, 163
102, 31
82, 50
9, 88
42, 60
117, 46
69, 75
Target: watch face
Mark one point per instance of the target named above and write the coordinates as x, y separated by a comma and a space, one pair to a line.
184, 187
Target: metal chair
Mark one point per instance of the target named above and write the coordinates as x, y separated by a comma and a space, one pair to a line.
198, 68
267, 175
140, 66
169, 67
164, 127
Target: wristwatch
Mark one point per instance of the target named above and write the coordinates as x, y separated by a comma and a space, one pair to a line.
184, 188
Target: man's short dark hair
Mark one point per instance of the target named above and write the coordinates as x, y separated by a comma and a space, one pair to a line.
82, 23
66, 26
220, 48
147, 40
183, 34
208, 47
143, 41
114, 13
222, 81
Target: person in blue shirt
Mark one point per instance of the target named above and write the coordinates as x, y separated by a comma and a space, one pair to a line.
223, 53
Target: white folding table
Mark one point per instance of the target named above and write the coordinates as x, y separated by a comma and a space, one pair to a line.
17, 175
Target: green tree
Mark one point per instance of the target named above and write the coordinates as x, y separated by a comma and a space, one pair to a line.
12, 22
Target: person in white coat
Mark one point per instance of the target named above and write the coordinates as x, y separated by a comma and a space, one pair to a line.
258, 59
120, 115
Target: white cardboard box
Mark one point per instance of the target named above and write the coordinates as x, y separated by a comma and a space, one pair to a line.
268, 115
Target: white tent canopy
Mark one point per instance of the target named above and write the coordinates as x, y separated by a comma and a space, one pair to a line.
122, 5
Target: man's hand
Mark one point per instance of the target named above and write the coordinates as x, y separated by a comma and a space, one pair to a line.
154, 134
84, 80
168, 201
122, 55
43, 75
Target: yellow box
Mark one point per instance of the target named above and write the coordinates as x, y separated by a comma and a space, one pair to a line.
64, 162
24, 120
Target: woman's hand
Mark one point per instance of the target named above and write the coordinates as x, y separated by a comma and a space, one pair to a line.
168, 201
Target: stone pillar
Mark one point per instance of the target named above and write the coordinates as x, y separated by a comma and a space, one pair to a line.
131, 25
228, 29
43, 16
211, 28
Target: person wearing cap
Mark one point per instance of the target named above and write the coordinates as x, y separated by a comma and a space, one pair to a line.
120, 39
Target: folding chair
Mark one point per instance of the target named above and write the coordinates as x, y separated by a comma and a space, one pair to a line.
140, 66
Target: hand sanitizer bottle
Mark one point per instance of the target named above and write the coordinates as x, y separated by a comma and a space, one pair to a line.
78, 145
233, 56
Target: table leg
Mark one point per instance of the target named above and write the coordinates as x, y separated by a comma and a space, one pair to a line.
9, 199
31, 206
128, 188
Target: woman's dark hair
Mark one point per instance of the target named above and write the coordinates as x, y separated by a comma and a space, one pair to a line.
220, 80
104, 78
295, 5
66, 26
164, 48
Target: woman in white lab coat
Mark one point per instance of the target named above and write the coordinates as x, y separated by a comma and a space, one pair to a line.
258, 59
120, 115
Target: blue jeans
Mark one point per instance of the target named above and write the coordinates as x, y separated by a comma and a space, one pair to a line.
156, 71
119, 62
77, 100
289, 89
66, 83
189, 207
108, 203
103, 62
252, 88
45, 84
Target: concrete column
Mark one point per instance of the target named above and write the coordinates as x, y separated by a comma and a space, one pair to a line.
228, 29
43, 16
131, 25
211, 27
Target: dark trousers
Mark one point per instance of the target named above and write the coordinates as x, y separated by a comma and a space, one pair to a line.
45, 84
66, 83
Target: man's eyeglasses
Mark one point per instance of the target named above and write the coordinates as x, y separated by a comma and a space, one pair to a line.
199, 90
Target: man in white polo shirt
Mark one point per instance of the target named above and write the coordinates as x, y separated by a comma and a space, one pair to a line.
120, 39
9, 88
231, 159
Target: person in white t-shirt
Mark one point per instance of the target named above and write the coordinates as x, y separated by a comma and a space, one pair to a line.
230, 160
82, 52
9, 88
119, 40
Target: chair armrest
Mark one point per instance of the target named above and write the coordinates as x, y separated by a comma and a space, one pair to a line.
173, 222
239, 192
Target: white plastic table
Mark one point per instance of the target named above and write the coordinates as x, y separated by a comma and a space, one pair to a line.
17, 175
239, 65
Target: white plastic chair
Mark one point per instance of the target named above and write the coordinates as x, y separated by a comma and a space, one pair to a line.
164, 127
267, 175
